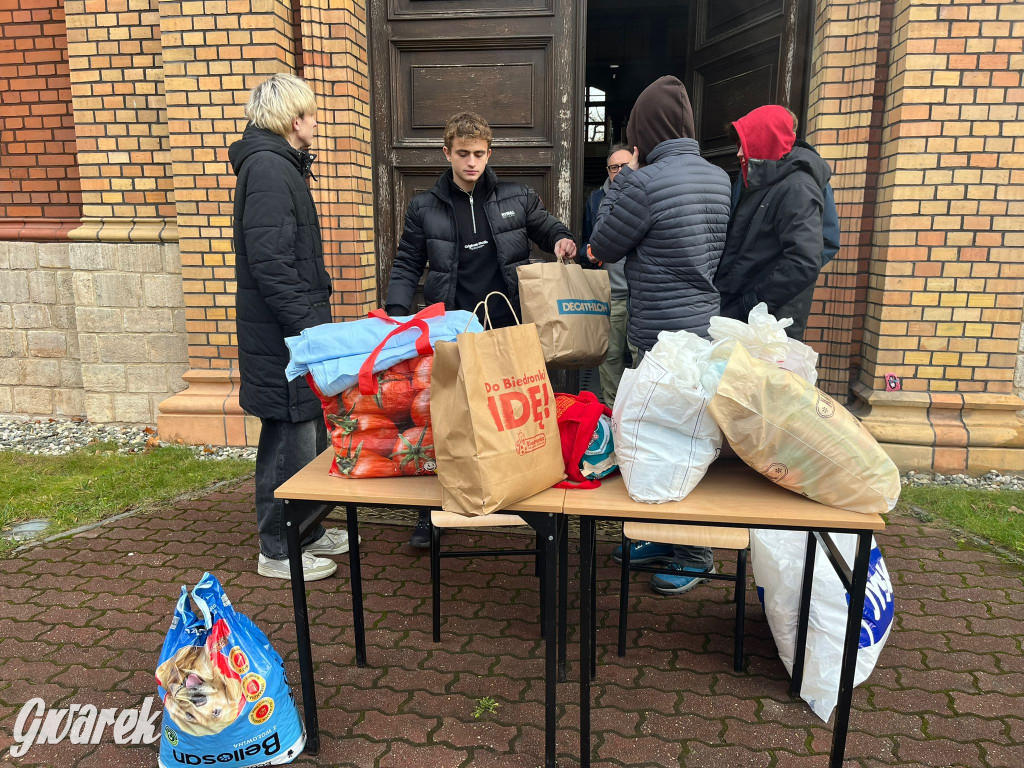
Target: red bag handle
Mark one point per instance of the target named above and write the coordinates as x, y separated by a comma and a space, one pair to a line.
367, 381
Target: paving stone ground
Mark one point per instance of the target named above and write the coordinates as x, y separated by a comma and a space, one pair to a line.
82, 621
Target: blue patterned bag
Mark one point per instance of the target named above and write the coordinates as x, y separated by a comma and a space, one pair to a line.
224, 689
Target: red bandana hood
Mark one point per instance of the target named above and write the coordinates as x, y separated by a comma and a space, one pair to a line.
766, 133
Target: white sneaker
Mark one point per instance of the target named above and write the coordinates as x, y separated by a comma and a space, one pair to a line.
333, 542
313, 567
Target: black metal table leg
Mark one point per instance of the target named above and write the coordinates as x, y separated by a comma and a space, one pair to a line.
796, 682
356, 578
593, 598
293, 517
586, 633
563, 603
547, 534
854, 616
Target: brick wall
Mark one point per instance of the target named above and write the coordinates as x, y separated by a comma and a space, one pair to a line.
846, 95
214, 54
39, 189
335, 63
945, 289
125, 265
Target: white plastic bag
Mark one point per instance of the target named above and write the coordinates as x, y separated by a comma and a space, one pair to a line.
777, 558
665, 440
765, 338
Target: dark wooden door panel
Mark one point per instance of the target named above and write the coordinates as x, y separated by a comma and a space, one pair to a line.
743, 54
424, 9
431, 82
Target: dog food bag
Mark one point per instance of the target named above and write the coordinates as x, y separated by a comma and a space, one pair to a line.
224, 690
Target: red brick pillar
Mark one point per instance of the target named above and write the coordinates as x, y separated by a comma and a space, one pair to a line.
212, 60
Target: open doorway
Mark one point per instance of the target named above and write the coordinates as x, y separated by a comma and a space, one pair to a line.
733, 56
629, 45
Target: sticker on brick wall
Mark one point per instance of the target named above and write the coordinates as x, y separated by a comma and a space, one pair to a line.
893, 383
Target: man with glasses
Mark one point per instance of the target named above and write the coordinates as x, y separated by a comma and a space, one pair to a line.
611, 369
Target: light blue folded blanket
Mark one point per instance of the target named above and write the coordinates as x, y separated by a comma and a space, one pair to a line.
334, 352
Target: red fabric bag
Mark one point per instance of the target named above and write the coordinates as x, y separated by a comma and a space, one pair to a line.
381, 426
577, 420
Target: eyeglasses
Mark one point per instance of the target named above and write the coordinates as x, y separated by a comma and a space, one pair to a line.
616, 168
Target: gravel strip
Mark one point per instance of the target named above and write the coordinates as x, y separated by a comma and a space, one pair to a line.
57, 437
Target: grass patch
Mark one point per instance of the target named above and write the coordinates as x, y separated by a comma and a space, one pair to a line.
994, 515
97, 482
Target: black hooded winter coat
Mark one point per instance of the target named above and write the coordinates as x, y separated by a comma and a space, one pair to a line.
773, 252
282, 285
668, 219
431, 237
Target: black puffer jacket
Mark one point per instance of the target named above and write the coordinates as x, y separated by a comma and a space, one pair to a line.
282, 285
430, 237
670, 219
774, 249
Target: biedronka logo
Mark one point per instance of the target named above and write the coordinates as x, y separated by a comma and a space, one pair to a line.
83, 724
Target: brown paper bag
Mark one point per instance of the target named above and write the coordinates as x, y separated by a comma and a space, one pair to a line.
493, 415
571, 307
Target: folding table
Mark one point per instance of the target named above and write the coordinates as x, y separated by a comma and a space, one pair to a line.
311, 494
732, 494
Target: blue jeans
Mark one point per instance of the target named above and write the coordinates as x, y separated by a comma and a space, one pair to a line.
285, 447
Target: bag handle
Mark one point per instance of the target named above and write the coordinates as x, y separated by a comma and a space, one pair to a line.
368, 384
487, 314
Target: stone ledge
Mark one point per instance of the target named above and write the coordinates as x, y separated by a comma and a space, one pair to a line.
126, 231
37, 230
207, 412
945, 432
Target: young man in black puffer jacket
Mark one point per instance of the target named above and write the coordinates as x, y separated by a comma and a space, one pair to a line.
282, 289
472, 230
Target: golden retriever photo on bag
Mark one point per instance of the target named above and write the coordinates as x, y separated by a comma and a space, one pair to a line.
204, 695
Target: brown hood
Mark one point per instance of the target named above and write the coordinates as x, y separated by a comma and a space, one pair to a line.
661, 112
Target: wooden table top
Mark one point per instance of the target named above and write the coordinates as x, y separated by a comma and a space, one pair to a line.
731, 492
312, 483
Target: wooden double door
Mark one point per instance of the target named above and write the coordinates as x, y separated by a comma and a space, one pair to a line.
522, 64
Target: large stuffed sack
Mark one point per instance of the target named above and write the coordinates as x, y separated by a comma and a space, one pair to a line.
778, 561
665, 439
799, 437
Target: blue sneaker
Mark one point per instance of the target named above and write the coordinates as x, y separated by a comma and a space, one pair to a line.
643, 552
676, 584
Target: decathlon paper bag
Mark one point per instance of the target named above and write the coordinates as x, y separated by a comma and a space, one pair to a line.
571, 308
224, 689
800, 438
493, 413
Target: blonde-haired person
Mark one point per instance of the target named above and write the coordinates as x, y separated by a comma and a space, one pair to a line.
473, 231
282, 289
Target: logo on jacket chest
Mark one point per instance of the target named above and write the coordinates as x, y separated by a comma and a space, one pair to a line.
507, 214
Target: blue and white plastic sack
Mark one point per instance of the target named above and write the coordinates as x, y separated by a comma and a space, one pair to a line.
224, 689
777, 558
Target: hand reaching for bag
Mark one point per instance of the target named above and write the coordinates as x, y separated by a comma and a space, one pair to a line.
565, 249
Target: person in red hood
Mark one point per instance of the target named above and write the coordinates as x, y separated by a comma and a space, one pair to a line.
774, 247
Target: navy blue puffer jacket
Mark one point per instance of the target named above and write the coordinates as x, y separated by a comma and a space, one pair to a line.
668, 220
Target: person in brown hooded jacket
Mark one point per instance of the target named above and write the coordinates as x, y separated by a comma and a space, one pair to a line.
666, 214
